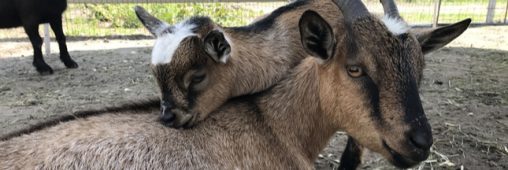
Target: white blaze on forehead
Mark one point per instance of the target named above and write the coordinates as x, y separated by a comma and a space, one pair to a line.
395, 25
166, 44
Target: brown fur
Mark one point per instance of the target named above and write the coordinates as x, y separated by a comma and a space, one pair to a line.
282, 128
258, 60
241, 134
138, 106
394, 64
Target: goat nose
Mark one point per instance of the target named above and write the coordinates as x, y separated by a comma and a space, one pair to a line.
166, 114
421, 139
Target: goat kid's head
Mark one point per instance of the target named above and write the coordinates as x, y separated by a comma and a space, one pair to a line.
369, 81
184, 61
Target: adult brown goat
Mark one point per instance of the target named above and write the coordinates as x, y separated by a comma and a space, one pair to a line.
257, 60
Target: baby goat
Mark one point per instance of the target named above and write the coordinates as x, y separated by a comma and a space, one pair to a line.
234, 61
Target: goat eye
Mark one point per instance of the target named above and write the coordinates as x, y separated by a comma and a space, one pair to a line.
354, 71
198, 79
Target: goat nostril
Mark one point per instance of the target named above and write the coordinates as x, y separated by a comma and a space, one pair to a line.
421, 140
166, 116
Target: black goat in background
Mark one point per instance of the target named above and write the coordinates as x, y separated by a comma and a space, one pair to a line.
31, 13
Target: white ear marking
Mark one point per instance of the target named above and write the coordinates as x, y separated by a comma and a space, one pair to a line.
228, 40
395, 25
225, 58
223, 51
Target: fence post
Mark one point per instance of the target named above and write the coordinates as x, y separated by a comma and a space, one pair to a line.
505, 12
437, 10
47, 40
490, 11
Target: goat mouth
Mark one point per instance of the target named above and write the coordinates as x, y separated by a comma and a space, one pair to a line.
177, 118
398, 159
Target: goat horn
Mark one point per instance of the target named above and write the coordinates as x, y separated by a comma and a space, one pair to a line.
390, 9
352, 9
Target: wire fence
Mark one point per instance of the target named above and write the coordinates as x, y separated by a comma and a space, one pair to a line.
97, 18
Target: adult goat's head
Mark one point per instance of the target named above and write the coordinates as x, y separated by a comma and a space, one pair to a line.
370, 79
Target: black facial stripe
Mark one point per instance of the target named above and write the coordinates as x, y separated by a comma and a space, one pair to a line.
371, 88
372, 91
161, 73
191, 95
166, 95
411, 102
408, 87
191, 92
267, 22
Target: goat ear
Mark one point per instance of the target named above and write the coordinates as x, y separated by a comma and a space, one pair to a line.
434, 39
316, 35
217, 46
154, 25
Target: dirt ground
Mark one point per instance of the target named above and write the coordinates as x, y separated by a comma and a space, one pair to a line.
464, 93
